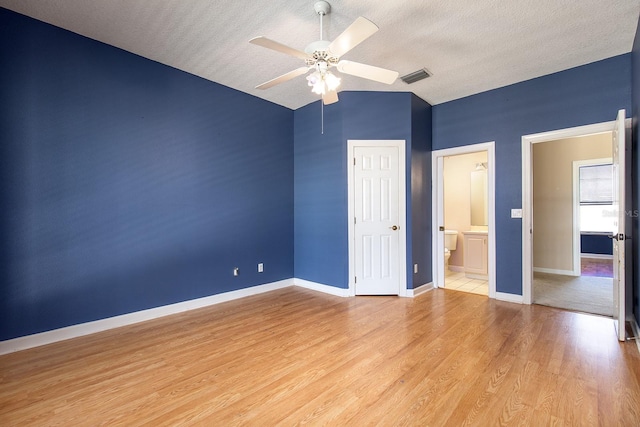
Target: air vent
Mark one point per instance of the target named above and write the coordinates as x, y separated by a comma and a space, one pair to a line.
415, 76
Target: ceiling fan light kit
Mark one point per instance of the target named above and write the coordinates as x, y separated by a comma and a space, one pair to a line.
322, 80
322, 55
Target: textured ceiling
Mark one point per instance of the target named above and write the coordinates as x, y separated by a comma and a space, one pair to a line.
468, 45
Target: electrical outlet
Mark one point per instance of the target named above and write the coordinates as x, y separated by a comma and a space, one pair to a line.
415, 268
236, 271
260, 267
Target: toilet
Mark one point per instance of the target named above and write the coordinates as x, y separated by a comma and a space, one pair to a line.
450, 243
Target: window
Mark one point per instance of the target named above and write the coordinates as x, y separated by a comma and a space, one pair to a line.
596, 198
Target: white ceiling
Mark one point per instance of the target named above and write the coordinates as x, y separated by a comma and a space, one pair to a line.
468, 45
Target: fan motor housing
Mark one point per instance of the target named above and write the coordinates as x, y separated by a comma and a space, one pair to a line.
317, 46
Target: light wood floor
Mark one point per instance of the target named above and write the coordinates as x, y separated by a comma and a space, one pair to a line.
295, 356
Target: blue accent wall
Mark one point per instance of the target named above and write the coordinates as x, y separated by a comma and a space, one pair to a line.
583, 95
321, 207
421, 191
635, 83
320, 196
126, 184
599, 244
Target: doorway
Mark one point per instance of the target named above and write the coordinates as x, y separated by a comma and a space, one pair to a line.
619, 129
377, 217
572, 203
479, 271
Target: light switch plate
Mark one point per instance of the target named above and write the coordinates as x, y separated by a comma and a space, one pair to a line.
516, 213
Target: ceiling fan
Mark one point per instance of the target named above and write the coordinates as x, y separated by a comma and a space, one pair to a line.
322, 55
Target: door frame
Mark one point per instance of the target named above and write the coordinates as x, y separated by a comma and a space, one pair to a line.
527, 190
437, 214
400, 144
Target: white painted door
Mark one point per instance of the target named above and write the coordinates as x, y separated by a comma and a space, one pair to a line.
619, 237
376, 228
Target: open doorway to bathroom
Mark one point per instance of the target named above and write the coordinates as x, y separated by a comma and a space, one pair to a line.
464, 215
466, 223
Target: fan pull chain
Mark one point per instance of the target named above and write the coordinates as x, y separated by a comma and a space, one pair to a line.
321, 117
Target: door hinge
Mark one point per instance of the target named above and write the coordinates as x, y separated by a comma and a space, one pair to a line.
355, 279
355, 220
354, 161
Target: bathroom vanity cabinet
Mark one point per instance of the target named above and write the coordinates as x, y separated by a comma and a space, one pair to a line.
476, 254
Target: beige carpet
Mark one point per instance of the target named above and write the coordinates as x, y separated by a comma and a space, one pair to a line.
584, 293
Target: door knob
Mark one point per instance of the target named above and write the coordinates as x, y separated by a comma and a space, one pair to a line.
394, 228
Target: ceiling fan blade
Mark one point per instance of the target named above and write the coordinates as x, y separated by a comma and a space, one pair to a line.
283, 78
278, 47
356, 33
370, 72
330, 97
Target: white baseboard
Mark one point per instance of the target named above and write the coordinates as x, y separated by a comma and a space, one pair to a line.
596, 256
422, 289
503, 296
456, 268
555, 271
314, 286
48, 337
74, 331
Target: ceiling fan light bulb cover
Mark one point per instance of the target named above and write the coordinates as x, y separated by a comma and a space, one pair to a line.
318, 88
316, 82
332, 81
313, 78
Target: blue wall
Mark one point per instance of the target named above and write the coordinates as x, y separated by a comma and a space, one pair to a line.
421, 191
635, 82
584, 95
127, 184
321, 227
596, 244
320, 194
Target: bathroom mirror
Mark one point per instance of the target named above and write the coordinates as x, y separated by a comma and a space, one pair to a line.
479, 210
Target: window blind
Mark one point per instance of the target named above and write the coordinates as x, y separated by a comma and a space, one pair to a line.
596, 184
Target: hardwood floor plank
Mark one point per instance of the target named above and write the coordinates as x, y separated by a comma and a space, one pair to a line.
295, 356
